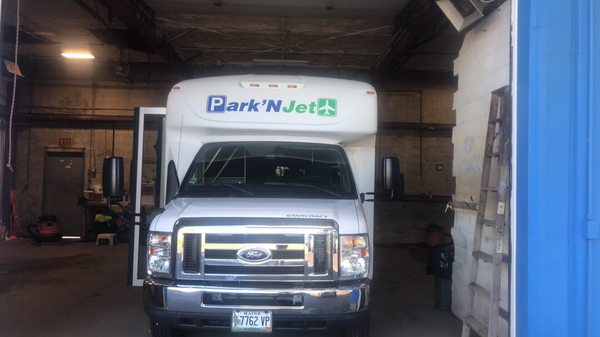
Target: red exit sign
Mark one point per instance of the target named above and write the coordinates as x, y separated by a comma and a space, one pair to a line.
65, 141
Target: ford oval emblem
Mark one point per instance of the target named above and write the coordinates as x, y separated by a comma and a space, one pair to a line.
254, 254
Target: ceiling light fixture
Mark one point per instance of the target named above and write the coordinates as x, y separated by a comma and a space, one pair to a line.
77, 54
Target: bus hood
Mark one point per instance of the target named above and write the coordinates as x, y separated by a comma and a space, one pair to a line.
348, 214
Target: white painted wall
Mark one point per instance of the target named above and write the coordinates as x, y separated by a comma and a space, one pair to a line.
482, 66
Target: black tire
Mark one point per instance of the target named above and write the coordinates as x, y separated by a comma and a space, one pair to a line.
358, 330
158, 329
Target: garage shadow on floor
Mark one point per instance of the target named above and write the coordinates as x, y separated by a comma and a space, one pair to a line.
80, 289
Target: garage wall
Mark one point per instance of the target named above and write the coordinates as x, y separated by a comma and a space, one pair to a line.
483, 65
54, 93
32, 144
425, 99
415, 119
71, 93
90, 91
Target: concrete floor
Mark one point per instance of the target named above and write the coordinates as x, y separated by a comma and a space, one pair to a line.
78, 289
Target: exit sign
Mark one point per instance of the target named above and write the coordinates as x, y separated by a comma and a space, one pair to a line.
65, 141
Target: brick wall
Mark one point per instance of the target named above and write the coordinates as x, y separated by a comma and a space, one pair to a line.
77, 98
483, 65
82, 90
425, 156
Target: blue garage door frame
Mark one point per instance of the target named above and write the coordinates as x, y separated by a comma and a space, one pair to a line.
558, 168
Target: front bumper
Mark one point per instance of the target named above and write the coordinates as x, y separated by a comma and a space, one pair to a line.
306, 307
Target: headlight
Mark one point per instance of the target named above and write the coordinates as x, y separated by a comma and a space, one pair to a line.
354, 257
159, 254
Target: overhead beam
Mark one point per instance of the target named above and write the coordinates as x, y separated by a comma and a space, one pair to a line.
62, 117
91, 11
289, 51
139, 17
419, 23
58, 120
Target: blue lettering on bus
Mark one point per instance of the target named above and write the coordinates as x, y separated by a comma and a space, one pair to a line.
216, 103
325, 107
274, 105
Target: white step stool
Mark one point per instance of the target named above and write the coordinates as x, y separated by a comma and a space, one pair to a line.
110, 237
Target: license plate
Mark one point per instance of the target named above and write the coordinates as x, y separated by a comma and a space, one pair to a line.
251, 321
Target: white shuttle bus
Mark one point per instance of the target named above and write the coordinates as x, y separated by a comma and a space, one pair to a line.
265, 226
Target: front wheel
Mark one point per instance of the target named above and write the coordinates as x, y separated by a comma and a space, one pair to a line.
358, 330
158, 329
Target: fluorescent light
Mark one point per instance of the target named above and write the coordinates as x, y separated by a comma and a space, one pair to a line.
77, 54
72, 237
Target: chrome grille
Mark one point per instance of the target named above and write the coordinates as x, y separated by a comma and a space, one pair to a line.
232, 254
296, 253
254, 238
263, 270
320, 253
191, 253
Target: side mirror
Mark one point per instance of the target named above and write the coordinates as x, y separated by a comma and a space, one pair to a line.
393, 179
112, 177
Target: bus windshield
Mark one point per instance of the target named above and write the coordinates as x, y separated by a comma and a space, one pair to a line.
269, 169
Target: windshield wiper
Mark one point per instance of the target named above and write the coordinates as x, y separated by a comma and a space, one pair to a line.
305, 185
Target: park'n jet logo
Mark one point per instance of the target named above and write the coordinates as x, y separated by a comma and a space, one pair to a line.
327, 107
324, 107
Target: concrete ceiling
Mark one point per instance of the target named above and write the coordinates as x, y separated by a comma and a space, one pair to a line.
382, 35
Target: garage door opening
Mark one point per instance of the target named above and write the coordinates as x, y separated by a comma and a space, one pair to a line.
435, 66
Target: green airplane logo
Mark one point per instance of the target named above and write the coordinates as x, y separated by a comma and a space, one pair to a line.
327, 107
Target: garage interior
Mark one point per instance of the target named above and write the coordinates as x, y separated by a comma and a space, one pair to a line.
434, 85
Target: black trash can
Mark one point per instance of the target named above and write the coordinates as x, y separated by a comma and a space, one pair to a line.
443, 294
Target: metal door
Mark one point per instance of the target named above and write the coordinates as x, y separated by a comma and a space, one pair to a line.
63, 186
593, 183
558, 168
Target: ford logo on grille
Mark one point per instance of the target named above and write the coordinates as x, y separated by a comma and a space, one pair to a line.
254, 254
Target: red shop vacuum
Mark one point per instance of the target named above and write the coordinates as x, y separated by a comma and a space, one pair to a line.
46, 229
